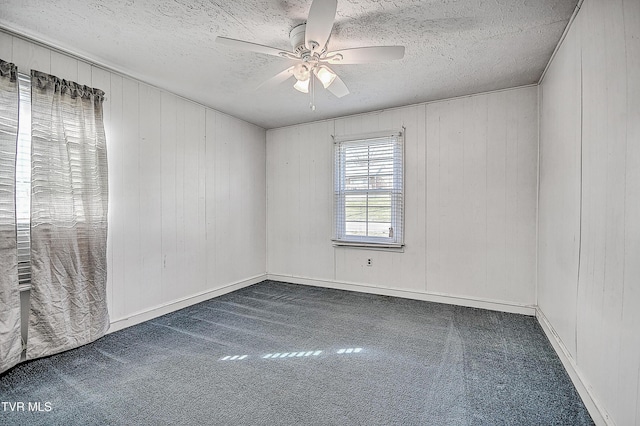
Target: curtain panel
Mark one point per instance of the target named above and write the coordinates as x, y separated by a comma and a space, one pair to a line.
68, 216
10, 335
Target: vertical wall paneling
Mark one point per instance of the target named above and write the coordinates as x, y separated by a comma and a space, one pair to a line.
301, 265
603, 189
321, 144
235, 237
200, 247
135, 286
560, 173
453, 196
6, 46
432, 197
116, 153
526, 189
168, 142
179, 184
288, 161
63, 66
496, 190
276, 197
481, 191
410, 265
271, 171
241, 181
149, 196
474, 172
236, 179
629, 354
85, 74
210, 194
589, 235
182, 185
224, 230
292, 176
28, 56
415, 199
259, 182
192, 278
449, 233
306, 250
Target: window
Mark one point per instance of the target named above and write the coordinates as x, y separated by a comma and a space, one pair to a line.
368, 190
23, 182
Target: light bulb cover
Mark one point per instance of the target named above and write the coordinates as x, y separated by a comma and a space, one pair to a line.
302, 86
326, 76
302, 71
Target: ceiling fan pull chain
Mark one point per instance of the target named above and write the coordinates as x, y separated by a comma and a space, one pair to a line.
312, 105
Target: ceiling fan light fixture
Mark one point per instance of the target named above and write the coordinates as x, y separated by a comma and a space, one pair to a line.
302, 85
326, 76
302, 72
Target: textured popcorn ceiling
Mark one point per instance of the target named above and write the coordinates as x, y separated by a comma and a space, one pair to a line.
453, 48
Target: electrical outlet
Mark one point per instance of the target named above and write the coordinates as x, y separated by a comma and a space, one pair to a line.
369, 262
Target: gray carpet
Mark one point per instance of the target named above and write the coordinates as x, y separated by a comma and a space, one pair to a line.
334, 357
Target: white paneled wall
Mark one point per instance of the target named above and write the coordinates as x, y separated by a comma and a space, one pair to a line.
186, 191
560, 170
470, 209
481, 198
589, 213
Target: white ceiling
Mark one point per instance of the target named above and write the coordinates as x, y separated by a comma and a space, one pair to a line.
453, 48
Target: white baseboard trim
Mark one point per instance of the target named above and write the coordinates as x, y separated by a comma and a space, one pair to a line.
165, 308
597, 412
492, 305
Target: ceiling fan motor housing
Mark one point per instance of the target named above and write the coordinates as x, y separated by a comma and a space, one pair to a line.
296, 37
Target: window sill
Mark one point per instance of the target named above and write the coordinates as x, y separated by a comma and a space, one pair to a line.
369, 246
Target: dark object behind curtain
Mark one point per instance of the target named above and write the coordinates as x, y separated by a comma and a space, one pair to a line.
10, 337
68, 216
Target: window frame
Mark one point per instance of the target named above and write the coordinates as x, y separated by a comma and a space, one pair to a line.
340, 238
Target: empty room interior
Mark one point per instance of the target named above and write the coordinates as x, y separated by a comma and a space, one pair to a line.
320, 212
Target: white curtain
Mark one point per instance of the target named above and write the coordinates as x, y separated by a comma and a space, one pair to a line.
10, 340
68, 216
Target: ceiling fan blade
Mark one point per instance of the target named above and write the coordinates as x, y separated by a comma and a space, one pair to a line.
276, 79
338, 88
320, 22
251, 47
365, 55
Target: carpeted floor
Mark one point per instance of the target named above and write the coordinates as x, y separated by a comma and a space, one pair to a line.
277, 353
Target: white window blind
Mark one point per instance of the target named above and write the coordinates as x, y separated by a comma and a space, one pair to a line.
368, 190
23, 181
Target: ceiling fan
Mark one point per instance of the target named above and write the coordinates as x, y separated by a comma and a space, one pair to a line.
309, 42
